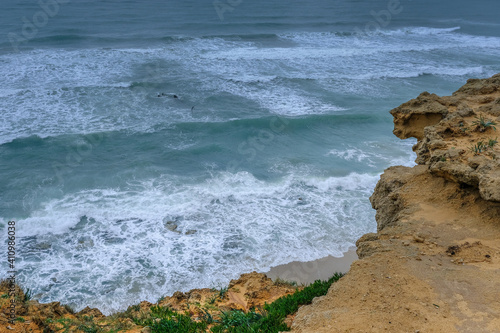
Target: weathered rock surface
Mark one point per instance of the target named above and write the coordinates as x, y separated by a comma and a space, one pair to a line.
448, 130
434, 263
250, 290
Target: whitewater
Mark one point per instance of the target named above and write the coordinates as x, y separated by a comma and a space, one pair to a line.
261, 141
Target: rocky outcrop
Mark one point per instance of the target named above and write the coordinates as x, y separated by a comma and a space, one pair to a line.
434, 263
456, 134
251, 290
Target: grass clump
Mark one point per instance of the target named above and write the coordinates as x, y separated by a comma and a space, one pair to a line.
28, 295
492, 142
165, 320
483, 123
222, 292
479, 147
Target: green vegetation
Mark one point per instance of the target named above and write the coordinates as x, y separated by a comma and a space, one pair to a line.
462, 127
222, 292
213, 299
269, 319
170, 321
484, 123
237, 321
28, 295
479, 147
492, 142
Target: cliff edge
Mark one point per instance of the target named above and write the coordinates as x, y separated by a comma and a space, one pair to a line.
434, 263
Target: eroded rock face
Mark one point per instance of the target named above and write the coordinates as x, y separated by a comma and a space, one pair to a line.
250, 290
457, 134
433, 264
412, 117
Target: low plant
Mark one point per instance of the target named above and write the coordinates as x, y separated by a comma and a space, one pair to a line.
207, 317
479, 147
222, 292
269, 319
237, 321
213, 299
484, 123
165, 320
92, 328
28, 295
462, 127
492, 142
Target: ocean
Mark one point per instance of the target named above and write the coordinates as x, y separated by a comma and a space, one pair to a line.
153, 146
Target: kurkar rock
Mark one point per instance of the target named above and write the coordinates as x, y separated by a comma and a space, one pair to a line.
434, 263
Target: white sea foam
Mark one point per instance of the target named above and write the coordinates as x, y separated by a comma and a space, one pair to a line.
378, 154
56, 91
115, 239
242, 224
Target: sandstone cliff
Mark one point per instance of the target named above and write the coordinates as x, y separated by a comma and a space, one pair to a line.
434, 264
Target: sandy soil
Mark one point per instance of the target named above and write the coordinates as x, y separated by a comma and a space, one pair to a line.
308, 272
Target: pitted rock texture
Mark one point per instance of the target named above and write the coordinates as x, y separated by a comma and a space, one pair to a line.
434, 263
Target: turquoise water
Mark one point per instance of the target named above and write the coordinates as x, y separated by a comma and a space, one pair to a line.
270, 151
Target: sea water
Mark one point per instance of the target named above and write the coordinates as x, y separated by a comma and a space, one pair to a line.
151, 146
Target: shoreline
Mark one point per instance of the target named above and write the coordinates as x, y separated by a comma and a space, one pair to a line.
306, 272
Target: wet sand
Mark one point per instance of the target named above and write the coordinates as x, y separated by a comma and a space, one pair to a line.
309, 271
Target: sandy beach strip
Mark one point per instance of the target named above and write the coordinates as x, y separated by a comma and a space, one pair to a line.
309, 271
